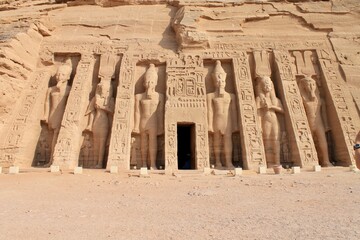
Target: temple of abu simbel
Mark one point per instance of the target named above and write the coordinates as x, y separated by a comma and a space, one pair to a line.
179, 84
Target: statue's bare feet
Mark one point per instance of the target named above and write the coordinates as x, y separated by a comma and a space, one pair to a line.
153, 167
47, 165
230, 166
327, 164
218, 165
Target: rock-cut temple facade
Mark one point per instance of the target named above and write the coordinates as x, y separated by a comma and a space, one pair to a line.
179, 84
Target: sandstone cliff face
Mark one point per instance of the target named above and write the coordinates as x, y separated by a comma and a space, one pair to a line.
36, 36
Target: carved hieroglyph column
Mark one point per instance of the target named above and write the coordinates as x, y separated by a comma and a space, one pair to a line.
348, 123
253, 153
186, 104
67, 148
119, 150
303, 151
21, 133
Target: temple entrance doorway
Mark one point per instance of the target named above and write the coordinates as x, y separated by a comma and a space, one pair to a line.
186, 139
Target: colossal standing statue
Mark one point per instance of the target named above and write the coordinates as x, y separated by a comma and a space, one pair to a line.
316, 113
222, 117
149, 118
55, 102
268, 105
100, 111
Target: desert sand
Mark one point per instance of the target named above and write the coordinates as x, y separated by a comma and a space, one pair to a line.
37, 204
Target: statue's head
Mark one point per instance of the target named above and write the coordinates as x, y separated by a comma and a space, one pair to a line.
308, 83
104, 89
219, 76
266, 84
64, 71
151, 77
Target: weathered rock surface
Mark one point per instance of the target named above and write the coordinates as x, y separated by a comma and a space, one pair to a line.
183, 39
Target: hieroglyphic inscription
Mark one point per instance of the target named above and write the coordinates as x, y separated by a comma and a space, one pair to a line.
303, 152
12, 142
202, 148
338, 93
185, 85
120, 142
67, 148
269, 44
252, 146
170, 146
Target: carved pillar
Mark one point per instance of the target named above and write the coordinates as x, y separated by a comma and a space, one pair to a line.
67, 148
119, 150
186, 104
253, 153
303, 151
346, 124
22, 131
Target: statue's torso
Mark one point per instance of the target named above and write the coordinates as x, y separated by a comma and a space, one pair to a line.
148, 110
221, 108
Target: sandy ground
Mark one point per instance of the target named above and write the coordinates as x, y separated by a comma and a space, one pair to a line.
99, 205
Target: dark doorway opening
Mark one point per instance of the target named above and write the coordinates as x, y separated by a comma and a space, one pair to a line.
186, 146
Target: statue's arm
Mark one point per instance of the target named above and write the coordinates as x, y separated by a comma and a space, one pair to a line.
210, 114
160, 115
45, 118
278, 107
137, 114
234, 115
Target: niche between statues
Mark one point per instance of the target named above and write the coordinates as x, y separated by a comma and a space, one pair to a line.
99, 114
59, 87
147, 135
310, 83
224, 135
270, 109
